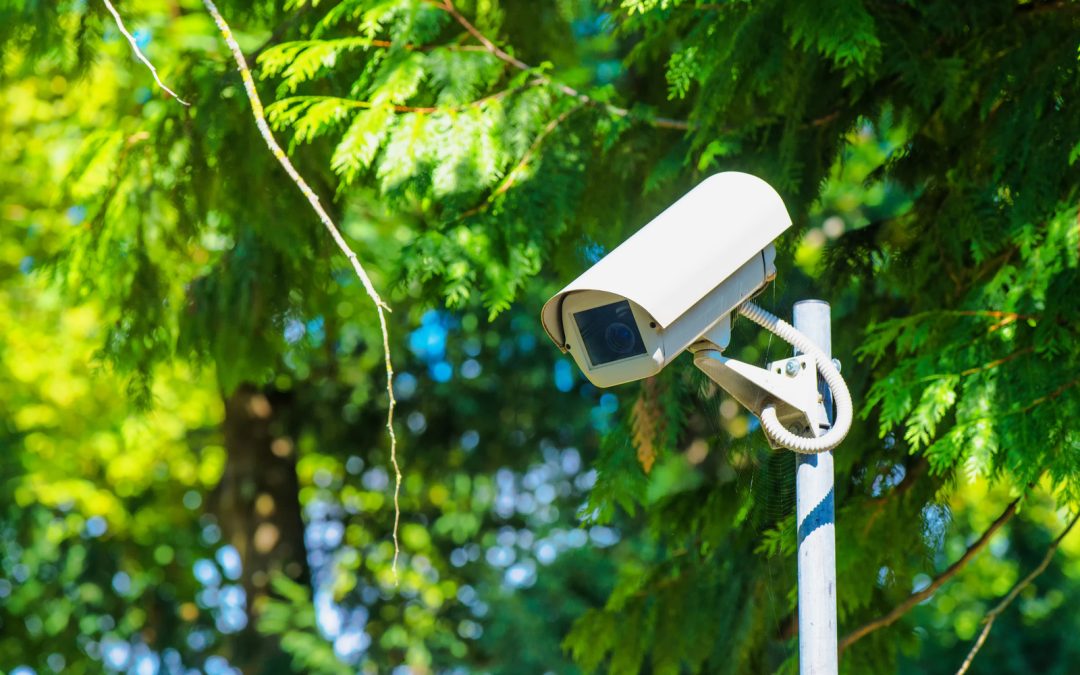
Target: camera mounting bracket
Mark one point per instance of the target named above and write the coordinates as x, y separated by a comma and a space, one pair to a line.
790, 385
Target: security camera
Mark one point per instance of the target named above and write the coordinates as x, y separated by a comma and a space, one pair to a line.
673, 283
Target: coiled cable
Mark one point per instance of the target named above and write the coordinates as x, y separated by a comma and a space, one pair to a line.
841, 396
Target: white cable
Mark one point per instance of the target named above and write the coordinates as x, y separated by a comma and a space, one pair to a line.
840, 393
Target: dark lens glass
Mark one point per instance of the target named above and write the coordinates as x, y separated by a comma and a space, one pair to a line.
620, 338
609, 333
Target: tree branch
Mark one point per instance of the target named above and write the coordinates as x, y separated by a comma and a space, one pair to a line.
138, 52
353, 103
915, 598
448, 7
409, 47
1020, 410
512, 174
1051, 396
997, 362
1012, 316
380, 307
994, 613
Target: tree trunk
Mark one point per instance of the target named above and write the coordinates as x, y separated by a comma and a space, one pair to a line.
258, 509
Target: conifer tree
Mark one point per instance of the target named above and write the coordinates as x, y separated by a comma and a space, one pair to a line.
479, 153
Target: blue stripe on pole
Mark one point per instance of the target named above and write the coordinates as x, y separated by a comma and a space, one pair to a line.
822, 514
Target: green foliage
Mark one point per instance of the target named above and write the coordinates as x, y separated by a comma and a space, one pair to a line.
926, 151
293, 618
842, 32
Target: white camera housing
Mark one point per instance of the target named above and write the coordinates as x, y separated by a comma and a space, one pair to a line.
673, 283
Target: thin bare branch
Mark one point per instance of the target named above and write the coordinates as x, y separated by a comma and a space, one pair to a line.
994, 613
380, 307
448, 7
138, 52
915, 598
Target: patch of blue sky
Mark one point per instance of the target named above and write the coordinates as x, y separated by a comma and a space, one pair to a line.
142, 37
592, 252
206, 572
441, 371
564, 375
76, 214
428, 341
294, 331
229, 560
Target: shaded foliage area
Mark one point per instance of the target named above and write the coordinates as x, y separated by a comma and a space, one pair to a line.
162, 272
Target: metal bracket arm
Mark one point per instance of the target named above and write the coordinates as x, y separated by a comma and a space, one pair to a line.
790, 385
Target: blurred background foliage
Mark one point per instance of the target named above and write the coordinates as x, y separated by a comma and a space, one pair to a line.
195, 470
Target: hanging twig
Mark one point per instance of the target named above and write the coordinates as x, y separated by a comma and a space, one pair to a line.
380, 307
138, 52
915, 598
994, 613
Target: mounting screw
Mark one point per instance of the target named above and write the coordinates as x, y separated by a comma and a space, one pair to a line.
792, 368
836, 362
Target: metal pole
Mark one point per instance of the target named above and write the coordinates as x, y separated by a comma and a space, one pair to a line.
815, 514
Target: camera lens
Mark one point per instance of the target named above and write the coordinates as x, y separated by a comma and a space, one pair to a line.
620, 338
610, 333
